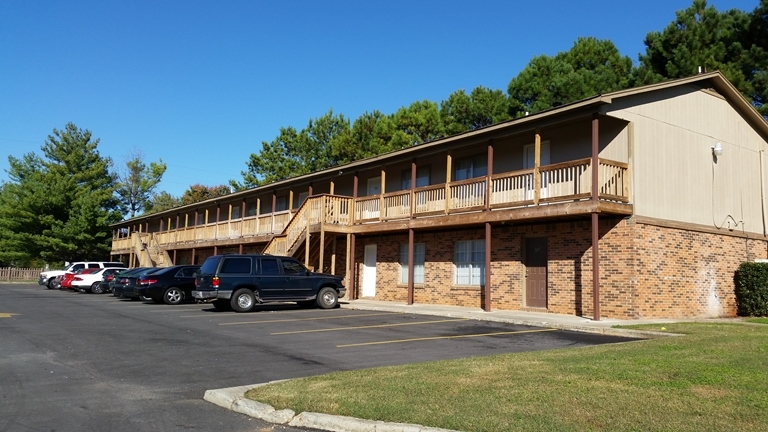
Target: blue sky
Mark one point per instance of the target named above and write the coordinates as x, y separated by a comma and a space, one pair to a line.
200, 84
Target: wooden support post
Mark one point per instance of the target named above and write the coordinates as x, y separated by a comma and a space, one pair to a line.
322, 247
381, 195
352, 269
595, 221
274, 206
413, 186
487, 287
536, 165
410, 266
489, 181
193, 256
333, 255
306, 249
174, 257
448, 174
309, 192
353, 210
290, 200
332, 186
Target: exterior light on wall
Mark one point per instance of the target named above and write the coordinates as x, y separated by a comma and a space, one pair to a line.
717, 149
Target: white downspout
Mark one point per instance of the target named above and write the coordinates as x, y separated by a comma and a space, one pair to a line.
762, 191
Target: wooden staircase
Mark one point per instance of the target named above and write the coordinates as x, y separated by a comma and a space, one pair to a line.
148, 251
318, 214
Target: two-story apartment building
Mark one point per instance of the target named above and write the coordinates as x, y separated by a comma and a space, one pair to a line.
634, 204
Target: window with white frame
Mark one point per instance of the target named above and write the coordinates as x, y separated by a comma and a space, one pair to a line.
469, 262
418, 263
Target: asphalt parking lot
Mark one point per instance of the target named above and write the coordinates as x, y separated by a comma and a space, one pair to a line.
96, 362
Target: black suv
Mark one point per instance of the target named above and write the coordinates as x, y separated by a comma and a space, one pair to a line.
240, 281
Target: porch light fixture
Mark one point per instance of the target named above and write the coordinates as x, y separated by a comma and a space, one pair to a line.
717, 149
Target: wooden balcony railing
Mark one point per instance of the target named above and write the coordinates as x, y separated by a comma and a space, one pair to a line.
562, 182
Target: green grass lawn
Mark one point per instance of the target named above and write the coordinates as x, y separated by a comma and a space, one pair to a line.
715, 378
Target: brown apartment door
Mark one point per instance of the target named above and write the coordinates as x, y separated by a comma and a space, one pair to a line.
536, 272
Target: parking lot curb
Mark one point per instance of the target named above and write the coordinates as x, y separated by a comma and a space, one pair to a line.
233, 398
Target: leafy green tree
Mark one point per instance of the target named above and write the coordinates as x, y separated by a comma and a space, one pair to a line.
161, 201
199, 192
483, 107
370, 135
732, 41
417, 124
137, 182
756, 61
293, 153
589, 68
59, 207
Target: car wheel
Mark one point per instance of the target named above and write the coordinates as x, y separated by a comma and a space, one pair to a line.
173, 296
243, 300
222, 305
96, 288
327, 298
54, 284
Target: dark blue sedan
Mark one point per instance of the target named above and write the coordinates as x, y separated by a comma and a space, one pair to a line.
170, 285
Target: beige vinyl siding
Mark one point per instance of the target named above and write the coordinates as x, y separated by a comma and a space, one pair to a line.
674, 176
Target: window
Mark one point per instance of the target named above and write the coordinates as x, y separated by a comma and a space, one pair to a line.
422, 177
187, 272
471, 167
250, 209
418, 263
236, 265
269, 266
291, 267
235, 212
469, 262
281, 203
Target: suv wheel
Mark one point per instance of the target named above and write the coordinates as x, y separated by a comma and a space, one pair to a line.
327, 298
52, 284
173, 296
243, 300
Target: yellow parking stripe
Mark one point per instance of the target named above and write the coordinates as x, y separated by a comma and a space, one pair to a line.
7, 315
443, 337
308, 319
370, 326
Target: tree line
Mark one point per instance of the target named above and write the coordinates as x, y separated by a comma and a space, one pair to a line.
58, 207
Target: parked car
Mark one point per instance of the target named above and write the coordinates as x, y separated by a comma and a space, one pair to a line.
90, 282
171, 285
66, 280
48, 278
114, 285
126, 284
241, 281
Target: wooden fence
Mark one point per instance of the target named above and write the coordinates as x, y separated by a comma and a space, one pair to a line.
16, 274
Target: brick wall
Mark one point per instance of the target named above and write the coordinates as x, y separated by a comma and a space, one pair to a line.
645, 271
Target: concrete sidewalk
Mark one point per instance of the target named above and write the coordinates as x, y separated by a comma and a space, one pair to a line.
233, 398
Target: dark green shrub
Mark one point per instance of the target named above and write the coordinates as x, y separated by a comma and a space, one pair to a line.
752, 289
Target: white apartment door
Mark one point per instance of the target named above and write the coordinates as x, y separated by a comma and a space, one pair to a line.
369, 271
530, 159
